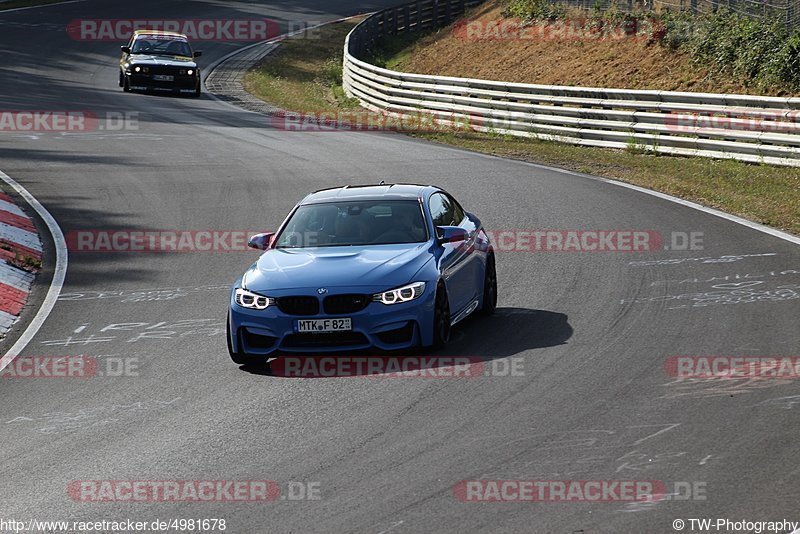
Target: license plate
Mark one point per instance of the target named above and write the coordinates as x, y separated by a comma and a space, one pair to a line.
324, 325
163, 78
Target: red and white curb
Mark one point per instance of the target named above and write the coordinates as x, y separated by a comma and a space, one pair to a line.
20, 256
59, 272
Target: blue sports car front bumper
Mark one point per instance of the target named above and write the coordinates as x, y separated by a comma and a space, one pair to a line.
377, 325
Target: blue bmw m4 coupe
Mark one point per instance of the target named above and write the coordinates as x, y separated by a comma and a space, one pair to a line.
386, 267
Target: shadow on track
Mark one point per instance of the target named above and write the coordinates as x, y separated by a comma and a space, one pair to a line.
510, 331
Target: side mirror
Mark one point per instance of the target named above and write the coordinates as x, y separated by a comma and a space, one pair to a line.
451, 234
198, 53
126, 49
261, 241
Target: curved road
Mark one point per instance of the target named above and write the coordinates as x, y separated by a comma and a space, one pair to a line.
590, 332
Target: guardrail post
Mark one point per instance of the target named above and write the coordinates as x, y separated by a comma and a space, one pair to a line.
373, 33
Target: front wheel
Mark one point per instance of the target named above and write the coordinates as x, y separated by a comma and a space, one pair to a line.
198, 90
489, 287
441, 318
126, 84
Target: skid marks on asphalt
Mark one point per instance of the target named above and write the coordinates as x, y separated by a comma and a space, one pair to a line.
707, 286
92, 334
89, 417
125, 296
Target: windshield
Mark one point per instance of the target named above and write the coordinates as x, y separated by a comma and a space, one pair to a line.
161, 47
374, 222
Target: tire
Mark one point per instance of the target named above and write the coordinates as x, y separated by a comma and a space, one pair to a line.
237, 357
126, 84
198, 90
441, 318
121, 79
489, 287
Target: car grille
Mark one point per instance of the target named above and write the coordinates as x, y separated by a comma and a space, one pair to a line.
298, 305
160, 69
324, 339
339, 304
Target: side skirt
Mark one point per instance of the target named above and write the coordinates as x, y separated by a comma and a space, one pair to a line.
461, 316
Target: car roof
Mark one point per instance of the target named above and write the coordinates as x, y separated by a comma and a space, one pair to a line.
370, 192
139, 33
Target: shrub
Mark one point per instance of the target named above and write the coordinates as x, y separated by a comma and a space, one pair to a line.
535, 10
761, 52
675, 29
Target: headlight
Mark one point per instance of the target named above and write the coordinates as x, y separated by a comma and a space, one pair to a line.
190, 72
246, 299
137, 69
401, 294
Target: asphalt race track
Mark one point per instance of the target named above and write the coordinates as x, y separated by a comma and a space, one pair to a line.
590, 331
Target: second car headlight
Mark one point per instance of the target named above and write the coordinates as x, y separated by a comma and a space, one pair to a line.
246, 299
401, 294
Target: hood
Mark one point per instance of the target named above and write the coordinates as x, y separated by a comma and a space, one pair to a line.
378, 267
169, 61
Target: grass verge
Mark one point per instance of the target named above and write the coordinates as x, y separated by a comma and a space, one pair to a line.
305, 75
305, 72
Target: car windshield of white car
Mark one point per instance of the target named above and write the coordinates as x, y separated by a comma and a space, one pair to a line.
162, 47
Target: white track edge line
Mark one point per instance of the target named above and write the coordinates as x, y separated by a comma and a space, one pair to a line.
271, 40
687, 203
693, 205
13, 9
711, 211
59, 273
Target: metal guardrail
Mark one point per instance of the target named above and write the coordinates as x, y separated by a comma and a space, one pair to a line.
743, 127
